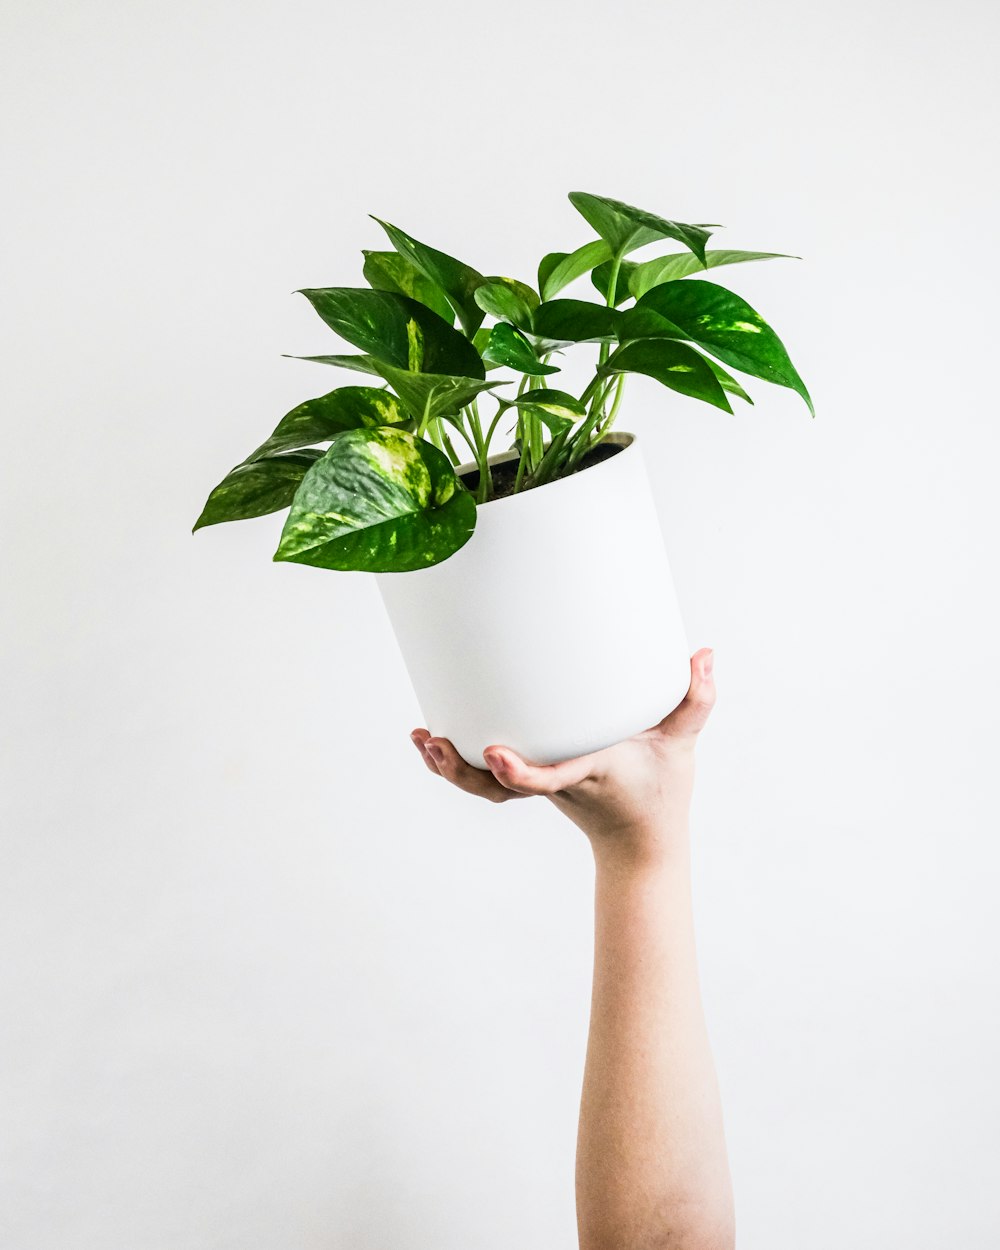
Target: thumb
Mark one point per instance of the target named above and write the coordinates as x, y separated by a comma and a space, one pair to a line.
690, 716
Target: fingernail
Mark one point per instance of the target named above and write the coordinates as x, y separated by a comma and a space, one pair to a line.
708, 664
496, 761
434, 751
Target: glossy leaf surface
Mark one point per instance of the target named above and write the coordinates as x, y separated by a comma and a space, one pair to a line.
255, 489
318, 420
560, 322
725, 325
559, 269
457, 280
396, 329
379, 500
508, 346
557, 403
601, 278
674, 364
388, 271
651, 273
624, 228
507, 300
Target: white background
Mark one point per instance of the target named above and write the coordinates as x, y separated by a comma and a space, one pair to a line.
266, 984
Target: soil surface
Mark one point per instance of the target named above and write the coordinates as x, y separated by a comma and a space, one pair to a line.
504, 474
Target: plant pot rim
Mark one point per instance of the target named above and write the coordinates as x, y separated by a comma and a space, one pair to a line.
617, 438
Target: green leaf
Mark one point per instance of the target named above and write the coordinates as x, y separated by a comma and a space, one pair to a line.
669, 268
437, 395
559, 269
457, 280
674, 364
360, 364
319, 420
508, 346
725, 325
255, 489
727, 381
559, 322
601, 278
644, 323
379, 500
557, 403
625, 228
397, 329
507, 300
388, 271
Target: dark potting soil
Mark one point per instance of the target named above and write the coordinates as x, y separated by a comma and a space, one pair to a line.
505, 474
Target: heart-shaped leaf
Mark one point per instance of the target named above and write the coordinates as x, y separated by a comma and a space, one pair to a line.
507, 300
397, 329
669, 268
379, 500
644, 323
559, 269
601, 278
457, 280
559, 322
508, 346
725, 325
674, 364
625, 228
388, 271
319, 420
256, 489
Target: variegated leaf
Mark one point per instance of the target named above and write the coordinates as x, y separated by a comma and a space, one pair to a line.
674, 364
379, 500
394, 328
319, 420
388, 271
727, 327
456, 279
255, 489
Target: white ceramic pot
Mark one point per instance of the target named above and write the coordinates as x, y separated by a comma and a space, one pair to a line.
555, 630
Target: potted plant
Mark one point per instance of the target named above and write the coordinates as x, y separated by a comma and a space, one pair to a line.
529, 590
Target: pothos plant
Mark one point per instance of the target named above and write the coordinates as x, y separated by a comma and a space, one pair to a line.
382, 493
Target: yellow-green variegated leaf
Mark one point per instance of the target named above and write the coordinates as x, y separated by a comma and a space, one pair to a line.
394, 328
255, 489
388, 271
381, 501
456, 279
559, 269
322, 419
726, 326
625, 228
651, 273
675, 364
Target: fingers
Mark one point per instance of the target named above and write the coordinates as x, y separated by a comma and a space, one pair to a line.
441, 757
689, 718
518, 775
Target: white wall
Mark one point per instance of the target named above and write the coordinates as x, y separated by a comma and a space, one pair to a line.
266, 984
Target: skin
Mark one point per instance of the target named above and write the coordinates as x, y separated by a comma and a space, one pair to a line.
652, 1171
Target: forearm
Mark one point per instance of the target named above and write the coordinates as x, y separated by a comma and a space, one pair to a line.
652, 1171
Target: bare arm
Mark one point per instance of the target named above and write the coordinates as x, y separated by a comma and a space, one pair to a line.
652, 1171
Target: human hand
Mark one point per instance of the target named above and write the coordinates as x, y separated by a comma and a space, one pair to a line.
631, 799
